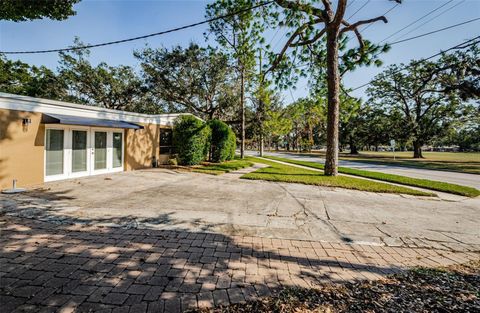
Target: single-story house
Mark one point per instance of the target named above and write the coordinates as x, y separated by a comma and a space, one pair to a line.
44, 140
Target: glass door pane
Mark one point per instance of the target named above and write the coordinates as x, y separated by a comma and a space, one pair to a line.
117, 150
54, 152
79, 151
100, 150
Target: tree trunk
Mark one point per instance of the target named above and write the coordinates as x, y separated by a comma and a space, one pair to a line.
417, 150
333, 85
261, 144
310, 137
353, 147
242, 113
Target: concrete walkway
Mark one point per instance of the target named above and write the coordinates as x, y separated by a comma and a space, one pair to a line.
464, 179
168, 200
239, 173
51, 267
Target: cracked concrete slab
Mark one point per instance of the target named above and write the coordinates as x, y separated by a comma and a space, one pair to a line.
166, 199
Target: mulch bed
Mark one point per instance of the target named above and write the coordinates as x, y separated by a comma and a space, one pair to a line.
452, 289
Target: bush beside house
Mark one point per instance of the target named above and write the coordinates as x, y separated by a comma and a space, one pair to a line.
223, 142
191, 138
194, 139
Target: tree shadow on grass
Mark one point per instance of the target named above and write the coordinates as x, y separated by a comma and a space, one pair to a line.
48, 266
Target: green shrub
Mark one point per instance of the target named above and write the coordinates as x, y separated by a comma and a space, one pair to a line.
223, 142
191, 138
173, 161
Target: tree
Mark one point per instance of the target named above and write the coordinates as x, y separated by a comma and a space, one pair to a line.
238, 35
111, 87
322, 45
416, 95
460, 71
23, 10
350, 122
305, 115
277, 124
196, 80
22, 79
364, 125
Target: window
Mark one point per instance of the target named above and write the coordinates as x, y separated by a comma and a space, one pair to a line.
100, 150
79, 151
54, 152
117, 150
166, 141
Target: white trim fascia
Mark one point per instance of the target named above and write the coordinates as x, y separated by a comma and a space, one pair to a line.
31, 104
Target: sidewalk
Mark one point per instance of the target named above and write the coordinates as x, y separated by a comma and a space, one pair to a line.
81, 268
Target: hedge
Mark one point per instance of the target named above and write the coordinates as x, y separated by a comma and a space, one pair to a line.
191, 139
223, 142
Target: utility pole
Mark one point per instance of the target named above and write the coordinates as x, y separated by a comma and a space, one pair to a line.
260, 105
242, 110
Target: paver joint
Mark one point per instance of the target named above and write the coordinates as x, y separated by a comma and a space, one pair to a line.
68, 268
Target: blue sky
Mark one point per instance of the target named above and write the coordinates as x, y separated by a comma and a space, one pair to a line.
105, 20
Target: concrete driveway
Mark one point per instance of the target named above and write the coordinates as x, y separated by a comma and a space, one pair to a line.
464, 179
166, 199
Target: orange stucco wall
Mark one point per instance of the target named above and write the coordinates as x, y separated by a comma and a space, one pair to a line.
21, 149
142, 146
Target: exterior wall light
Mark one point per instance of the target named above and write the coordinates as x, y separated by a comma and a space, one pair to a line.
26, 121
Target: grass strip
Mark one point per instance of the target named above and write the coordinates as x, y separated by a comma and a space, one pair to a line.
392, 178
221, 168
291, 174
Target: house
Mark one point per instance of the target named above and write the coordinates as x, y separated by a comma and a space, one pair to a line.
44, 140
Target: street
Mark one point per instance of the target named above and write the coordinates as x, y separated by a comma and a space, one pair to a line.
470, 180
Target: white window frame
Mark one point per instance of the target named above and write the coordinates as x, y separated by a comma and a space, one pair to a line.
72, 174
64, 174
67, 151
121, 167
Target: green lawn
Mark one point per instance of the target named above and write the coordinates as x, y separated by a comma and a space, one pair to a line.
291, 174
221, 168
463, 162
398, 179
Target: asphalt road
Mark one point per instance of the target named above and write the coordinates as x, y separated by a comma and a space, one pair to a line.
471, 180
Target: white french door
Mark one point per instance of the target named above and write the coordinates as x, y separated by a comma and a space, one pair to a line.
79, 143
81, 151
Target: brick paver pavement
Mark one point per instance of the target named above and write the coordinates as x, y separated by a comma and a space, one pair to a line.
51, 267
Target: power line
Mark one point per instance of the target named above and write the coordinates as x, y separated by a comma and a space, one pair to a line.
144, 36
433, 18
291, 94
358, 10
284, 34
434, 31
353, 1
462, 45
414, 22
384, 14
415, 37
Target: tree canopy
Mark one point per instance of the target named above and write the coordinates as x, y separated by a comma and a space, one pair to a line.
193, 79
426, 95
22, 79
24, 10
